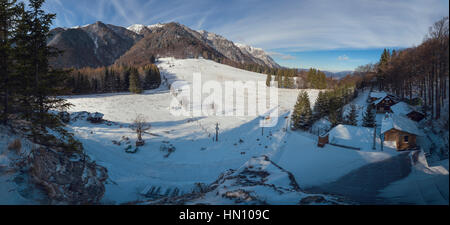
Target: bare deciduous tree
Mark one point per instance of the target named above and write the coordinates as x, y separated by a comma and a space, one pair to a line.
140, 125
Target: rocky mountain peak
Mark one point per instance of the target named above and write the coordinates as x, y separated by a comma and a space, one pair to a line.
101, 44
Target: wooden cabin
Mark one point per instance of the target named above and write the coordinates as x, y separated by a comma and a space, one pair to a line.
400, 130
384, 104
381, 101
403, 140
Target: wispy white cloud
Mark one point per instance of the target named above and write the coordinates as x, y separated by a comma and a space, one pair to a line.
330, 24
281, 55
291, 25
343, 58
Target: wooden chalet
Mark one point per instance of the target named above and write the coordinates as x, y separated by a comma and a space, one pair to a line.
400, 130
381, 101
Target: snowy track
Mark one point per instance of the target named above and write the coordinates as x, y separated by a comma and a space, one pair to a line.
363, 184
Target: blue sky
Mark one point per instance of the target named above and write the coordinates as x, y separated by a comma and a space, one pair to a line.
325, 34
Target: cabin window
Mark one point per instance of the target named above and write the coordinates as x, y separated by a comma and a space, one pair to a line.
406, 139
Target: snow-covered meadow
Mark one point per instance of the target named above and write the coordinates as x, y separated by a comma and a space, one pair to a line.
197, 158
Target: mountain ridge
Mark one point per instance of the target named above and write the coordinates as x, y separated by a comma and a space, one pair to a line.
99, 44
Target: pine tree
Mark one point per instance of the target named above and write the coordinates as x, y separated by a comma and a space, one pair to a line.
135, 82
8, 12
268, 80
117, 81
152, 78
321, 80
351, 117
279, 79
108, 81
126, 79
321, 108
335, 117
94, 85
302, 115
288, 81
382, 67
40, 84
369, 117
335, 108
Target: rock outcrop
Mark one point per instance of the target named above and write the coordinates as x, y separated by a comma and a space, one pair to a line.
73, 179
258, 182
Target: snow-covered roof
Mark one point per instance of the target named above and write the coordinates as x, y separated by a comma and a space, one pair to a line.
401, 123
378, 94
401, 108
379, 100
352, 136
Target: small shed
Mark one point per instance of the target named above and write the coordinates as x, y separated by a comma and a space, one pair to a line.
400, 130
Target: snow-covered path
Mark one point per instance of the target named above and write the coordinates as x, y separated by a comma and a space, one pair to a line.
425, 185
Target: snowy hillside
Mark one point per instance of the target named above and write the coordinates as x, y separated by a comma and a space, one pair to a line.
154, 172
197, 158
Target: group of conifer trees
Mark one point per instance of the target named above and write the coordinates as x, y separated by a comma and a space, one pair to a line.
114, 79
28, 85
316, 79
329, 104
283, 79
